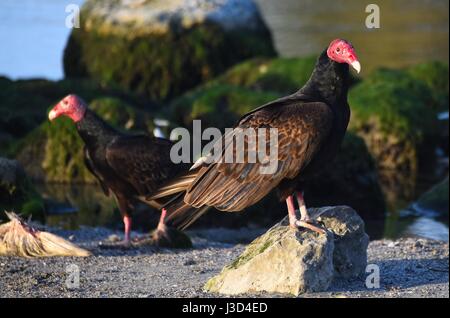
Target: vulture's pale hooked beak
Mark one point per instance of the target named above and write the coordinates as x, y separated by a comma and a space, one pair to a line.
357, 66
52, 114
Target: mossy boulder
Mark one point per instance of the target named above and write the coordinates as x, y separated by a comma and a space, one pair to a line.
162, 48
282, 75
435, 75
216, 105
17, 193
222, 101
394, 114
283, 261
54, 151
291, 261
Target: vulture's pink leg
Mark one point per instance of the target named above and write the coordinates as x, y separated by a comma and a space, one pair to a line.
161, 223
304, 216
127, 224
291, 211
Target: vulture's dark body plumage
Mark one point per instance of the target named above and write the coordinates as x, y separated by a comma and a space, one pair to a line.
132, 167
311, 124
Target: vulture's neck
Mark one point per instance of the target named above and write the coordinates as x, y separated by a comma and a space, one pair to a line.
328, 82
94, 131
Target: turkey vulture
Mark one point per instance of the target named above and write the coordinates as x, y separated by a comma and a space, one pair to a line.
129, 166
311, 124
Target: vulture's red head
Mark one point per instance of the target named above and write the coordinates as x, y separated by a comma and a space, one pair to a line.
71, 106
342, 51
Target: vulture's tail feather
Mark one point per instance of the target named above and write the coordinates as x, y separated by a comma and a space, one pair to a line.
179, 213
182, 215
178, 185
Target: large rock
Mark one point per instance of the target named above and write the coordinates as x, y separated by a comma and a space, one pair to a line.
288, 261
160, 48
17, 192
281, 261
435, 75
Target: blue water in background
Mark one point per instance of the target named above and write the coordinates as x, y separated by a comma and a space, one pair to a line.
33, 35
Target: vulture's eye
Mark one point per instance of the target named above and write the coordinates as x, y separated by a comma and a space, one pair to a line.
338, 50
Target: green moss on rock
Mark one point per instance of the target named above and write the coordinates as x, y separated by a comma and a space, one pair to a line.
282, 75
217, 105
435, 76
391, 111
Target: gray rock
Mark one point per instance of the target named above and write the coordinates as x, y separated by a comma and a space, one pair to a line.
350, 239
287, 261
282, 260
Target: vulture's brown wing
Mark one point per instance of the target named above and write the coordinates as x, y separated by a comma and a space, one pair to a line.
91, 167
302, 126
142, 161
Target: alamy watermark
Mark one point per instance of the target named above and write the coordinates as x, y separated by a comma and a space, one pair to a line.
73, 19
73, 276
373, 277
373, 19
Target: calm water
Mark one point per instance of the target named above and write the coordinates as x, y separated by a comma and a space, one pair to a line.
33, 32
410, 31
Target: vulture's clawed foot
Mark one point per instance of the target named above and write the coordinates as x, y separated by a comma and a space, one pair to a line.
167, 237
305, 223
308, 224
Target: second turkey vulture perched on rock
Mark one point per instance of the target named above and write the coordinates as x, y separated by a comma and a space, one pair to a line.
311, 124
129, 166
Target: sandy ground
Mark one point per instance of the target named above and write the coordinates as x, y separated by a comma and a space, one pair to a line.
408, 268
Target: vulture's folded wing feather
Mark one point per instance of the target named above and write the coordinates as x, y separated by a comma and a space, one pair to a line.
301, 128
142, 161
